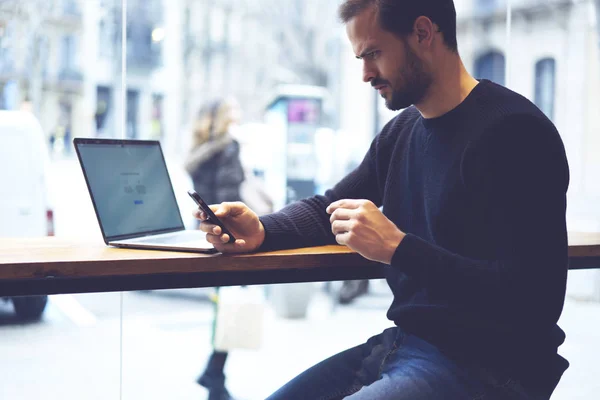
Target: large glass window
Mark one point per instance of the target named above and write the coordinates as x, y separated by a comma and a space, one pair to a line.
305, 119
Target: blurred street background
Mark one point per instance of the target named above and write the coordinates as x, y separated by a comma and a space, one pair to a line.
307, 120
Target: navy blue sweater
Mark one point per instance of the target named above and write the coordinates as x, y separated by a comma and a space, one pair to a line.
481, 194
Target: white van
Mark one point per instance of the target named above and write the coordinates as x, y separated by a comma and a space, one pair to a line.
24, 203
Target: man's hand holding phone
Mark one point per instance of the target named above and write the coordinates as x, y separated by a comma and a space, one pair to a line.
241, 221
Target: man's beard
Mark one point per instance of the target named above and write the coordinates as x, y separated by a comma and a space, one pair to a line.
415, 82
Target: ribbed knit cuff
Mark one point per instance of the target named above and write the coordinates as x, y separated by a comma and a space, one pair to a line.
411, 256
272, 232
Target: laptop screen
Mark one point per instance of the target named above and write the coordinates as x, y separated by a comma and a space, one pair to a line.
130, 187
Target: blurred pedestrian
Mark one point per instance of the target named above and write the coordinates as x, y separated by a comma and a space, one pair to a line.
216, 170
350, 290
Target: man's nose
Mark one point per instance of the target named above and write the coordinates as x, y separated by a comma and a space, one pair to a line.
368, 73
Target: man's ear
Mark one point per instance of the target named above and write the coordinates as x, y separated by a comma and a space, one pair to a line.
424, 29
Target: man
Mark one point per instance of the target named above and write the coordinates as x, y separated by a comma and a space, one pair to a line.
472, 179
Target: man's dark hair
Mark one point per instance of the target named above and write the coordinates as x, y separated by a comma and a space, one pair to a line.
399, 16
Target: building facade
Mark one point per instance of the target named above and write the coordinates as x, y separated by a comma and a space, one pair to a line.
551, 56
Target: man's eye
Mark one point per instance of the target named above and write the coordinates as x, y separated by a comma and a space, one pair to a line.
372, 55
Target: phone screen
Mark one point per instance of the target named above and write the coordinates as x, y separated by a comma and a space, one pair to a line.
211, 215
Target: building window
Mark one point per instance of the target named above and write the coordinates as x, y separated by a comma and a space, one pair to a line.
103, 108
70, 7
157, 124
545, 73
69, 52
105, 42
491, 66
133, 97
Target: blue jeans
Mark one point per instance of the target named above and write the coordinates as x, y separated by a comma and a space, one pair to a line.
399, 366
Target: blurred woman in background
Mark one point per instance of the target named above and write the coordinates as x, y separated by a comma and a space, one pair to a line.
215, 168
214, 160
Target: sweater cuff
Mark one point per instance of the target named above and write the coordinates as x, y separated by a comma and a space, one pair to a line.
411, 255
272, 232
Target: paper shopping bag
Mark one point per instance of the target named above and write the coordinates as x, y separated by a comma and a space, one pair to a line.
240, 318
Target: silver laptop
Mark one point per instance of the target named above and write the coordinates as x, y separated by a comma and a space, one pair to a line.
133, 196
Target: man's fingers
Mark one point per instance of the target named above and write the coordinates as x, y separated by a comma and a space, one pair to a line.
232, 208
343, 238
223, 210
210, 228
230, 213
344, 203
239, 246
217, 238
199, 214
341, 214
220, 210
339, 227
214, 239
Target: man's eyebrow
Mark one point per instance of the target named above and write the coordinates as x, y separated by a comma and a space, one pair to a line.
365, 52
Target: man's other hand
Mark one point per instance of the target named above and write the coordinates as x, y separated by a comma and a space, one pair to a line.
361, 226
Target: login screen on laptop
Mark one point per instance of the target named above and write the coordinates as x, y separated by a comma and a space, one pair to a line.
130, 187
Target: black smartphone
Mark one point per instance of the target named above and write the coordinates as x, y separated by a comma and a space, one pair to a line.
212, 218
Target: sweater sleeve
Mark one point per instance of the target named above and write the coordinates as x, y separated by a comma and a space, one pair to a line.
518, 172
